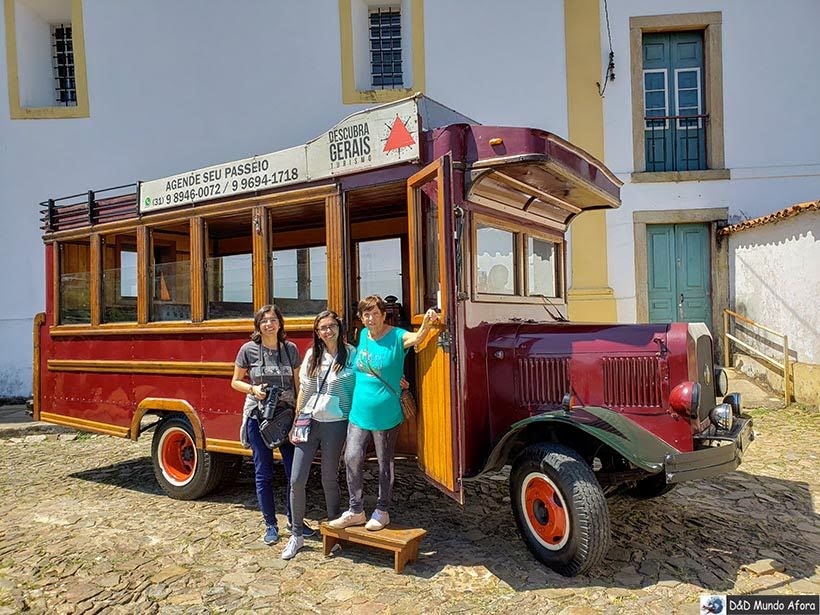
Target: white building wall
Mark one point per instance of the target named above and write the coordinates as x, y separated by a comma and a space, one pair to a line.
770, 133
776, 268
177, 86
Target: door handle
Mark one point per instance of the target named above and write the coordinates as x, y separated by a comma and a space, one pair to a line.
680, 305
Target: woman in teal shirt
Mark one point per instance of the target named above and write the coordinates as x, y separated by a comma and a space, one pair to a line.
376, 410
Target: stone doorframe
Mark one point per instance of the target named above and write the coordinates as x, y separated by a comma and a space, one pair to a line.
717, 217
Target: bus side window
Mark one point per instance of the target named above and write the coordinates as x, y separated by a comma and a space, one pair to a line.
170, 273
74, 288
229, 267
298, 259
119, 283
495, 260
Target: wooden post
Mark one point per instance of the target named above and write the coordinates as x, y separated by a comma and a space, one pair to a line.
787, 388
726, 357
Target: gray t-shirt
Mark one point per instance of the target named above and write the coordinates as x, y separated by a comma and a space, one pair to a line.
269, 368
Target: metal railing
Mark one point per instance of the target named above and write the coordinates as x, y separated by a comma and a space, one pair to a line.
785, 365
675, 142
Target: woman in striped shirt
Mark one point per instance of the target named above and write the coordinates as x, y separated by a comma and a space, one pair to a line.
326, 381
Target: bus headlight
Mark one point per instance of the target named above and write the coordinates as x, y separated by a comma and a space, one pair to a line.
685, 398
722, 417
721, 382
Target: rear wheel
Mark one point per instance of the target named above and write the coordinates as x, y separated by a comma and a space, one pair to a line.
559, 508
183, 471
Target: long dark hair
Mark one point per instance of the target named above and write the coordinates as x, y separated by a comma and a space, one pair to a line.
256, 336
319, 346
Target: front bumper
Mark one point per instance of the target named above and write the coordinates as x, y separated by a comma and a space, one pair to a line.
712, 460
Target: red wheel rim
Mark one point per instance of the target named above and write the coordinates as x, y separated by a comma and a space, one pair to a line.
545, 511
177, 456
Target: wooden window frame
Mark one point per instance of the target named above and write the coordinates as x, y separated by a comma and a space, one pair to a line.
560, 269
521, 232
438, 170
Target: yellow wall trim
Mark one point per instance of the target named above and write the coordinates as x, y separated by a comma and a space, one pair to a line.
590, 299
19, 112
350, 95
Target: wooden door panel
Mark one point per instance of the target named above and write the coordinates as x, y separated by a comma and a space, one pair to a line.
431, 272
661, 252
434, 424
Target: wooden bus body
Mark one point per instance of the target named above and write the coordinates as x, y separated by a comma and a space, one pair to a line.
150, 291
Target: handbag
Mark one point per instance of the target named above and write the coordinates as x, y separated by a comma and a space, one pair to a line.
275, 430
406, 400
408, 404
301, 429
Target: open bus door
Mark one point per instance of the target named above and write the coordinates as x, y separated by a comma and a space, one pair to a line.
431, 266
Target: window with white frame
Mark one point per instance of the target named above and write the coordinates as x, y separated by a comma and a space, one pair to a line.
688, 98
656, 98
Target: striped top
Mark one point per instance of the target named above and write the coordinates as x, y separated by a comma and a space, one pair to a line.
334, 400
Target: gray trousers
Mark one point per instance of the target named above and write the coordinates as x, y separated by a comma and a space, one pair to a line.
330, 437
355, 453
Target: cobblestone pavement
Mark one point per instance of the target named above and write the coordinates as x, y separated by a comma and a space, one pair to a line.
85, 529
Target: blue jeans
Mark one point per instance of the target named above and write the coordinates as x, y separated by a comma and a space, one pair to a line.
263, 466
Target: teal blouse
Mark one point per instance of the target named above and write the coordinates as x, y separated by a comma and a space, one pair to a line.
375, 406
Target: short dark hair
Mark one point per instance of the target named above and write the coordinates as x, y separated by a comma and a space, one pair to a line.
371, 301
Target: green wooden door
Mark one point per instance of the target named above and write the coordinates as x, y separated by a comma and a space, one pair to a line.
674, 93
679, 273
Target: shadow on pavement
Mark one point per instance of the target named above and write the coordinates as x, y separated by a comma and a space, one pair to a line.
700, 533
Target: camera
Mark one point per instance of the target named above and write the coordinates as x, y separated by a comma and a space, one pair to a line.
270, 402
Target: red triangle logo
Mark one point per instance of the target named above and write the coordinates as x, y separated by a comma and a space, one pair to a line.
399, 136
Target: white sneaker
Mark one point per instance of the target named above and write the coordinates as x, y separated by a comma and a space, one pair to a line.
347, 519
379, 520
292, 548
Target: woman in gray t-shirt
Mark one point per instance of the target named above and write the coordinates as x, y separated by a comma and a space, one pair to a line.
267, 360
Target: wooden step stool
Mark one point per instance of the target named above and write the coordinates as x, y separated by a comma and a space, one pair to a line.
402, 541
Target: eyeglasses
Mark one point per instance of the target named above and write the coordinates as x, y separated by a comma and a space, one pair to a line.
327, 328
269, 321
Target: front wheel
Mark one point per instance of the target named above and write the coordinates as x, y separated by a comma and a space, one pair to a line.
183, 471
559, 508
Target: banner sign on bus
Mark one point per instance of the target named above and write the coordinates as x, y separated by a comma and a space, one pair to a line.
369, 139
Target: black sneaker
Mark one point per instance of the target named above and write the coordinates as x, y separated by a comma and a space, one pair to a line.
307, 531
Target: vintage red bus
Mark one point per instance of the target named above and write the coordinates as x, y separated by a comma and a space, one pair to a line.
150, 290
